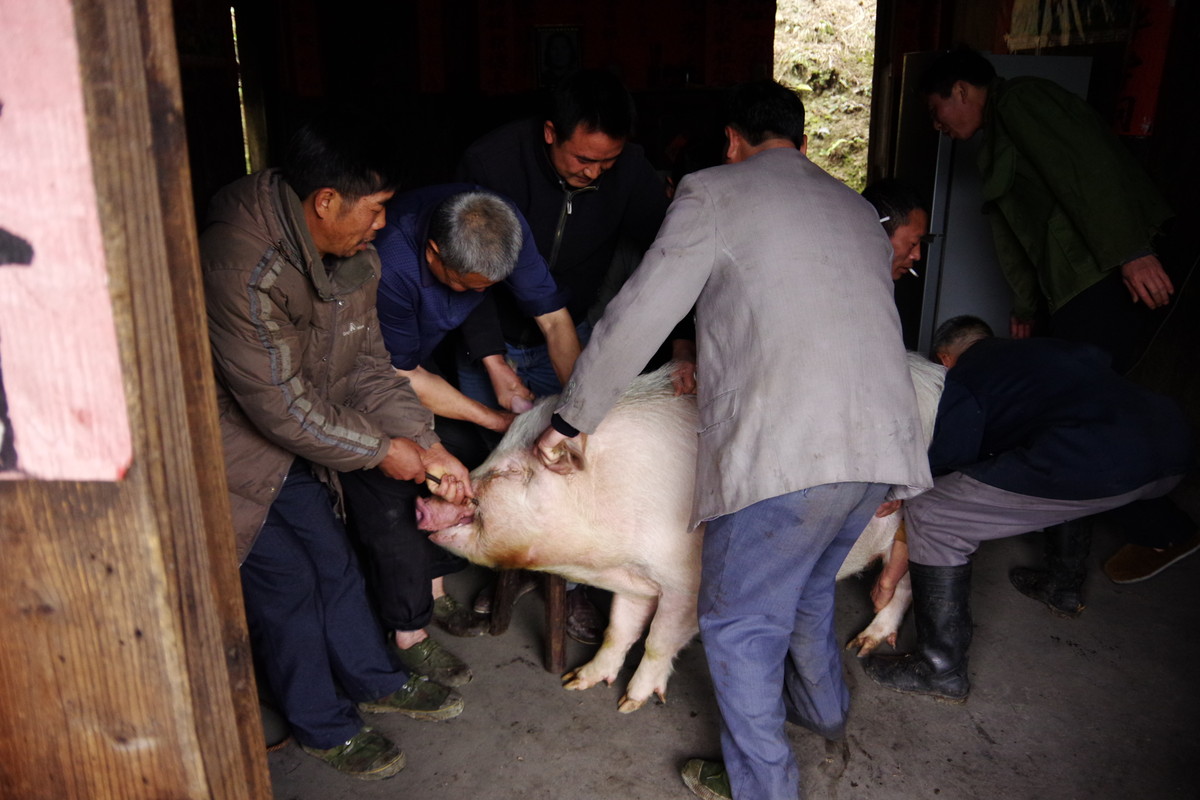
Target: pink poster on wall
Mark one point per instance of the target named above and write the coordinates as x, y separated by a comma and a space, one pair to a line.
62, 403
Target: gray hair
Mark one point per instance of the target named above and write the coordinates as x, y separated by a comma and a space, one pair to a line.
477, 233
958, 333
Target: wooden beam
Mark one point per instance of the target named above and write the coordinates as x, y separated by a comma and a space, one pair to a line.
126, 670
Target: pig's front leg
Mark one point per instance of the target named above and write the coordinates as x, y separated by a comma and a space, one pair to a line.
673, 626
886, 622
626, 621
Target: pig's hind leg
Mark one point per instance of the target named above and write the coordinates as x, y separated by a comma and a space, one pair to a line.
673, 627
626, 620
887, 621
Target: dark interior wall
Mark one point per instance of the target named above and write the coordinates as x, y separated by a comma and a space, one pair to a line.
445, 71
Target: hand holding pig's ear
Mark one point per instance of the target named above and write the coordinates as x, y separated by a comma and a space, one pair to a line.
560, 453
455, 484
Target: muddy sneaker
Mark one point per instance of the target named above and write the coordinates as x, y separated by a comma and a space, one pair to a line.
458, 620
419, 698
707, 779
435, 662
368, 755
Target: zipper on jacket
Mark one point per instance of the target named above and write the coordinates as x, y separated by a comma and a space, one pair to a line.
567, 208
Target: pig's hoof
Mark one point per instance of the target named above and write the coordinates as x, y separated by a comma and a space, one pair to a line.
864, 644
577, 681
628, 704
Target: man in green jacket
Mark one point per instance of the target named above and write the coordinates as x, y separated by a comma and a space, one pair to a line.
1077, 226
1074, 218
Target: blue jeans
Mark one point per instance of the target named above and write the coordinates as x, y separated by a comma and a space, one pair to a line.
532, 364
766, 620
311, 625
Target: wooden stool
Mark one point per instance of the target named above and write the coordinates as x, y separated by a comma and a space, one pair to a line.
555, 589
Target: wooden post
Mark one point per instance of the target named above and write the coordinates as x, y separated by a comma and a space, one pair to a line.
126, 670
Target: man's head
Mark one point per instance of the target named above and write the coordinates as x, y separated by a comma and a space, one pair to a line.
474, 241
591, 117
955, 88
763, 114
904, 217
955, 335
342, 168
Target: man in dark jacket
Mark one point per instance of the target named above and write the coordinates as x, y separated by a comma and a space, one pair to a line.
1030, 434
305, 391
594, 203
584, 189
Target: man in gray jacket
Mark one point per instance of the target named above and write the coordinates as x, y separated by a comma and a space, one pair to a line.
305, 391
807, 416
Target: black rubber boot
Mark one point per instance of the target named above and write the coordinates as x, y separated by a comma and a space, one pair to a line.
942, 614
1060, 585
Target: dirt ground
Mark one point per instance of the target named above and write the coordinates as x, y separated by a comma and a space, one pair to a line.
825, 49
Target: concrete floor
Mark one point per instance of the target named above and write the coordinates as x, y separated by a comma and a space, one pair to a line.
1105, 706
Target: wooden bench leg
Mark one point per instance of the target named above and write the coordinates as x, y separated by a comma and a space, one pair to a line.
503, 597
556, 624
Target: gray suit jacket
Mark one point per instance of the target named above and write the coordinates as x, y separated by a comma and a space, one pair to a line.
801, 372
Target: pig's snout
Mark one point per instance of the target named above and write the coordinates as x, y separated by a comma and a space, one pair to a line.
435, 514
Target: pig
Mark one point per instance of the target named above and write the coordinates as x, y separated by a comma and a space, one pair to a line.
622, 522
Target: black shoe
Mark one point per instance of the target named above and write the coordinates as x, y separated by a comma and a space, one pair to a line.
1041, 586
938, 667
276, 732
483, 600
584, 624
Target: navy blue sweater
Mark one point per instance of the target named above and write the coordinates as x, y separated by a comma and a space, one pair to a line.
1049, 418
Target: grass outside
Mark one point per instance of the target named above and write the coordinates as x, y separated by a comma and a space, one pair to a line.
825, 49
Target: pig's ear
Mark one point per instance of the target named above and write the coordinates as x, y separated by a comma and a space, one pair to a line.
569, 456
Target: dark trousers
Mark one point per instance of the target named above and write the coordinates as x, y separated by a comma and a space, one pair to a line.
399, 560
310, 622
1104, 315
1157, 522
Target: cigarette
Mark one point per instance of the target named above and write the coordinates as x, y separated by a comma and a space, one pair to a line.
913, 272
883, 220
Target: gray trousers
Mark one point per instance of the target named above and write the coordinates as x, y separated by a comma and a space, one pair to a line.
947, 523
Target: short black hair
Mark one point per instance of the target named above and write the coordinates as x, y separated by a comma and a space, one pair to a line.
958, 331
765, 109
962, 64
894, 200
344, 149
596, 99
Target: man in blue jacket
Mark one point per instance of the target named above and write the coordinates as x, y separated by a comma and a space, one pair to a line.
1030, 433
441, 249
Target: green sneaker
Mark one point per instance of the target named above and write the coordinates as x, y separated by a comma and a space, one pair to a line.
367, 755
708, 780
435, 662
419, 698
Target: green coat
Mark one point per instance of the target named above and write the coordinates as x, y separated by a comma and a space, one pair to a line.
1066, 200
